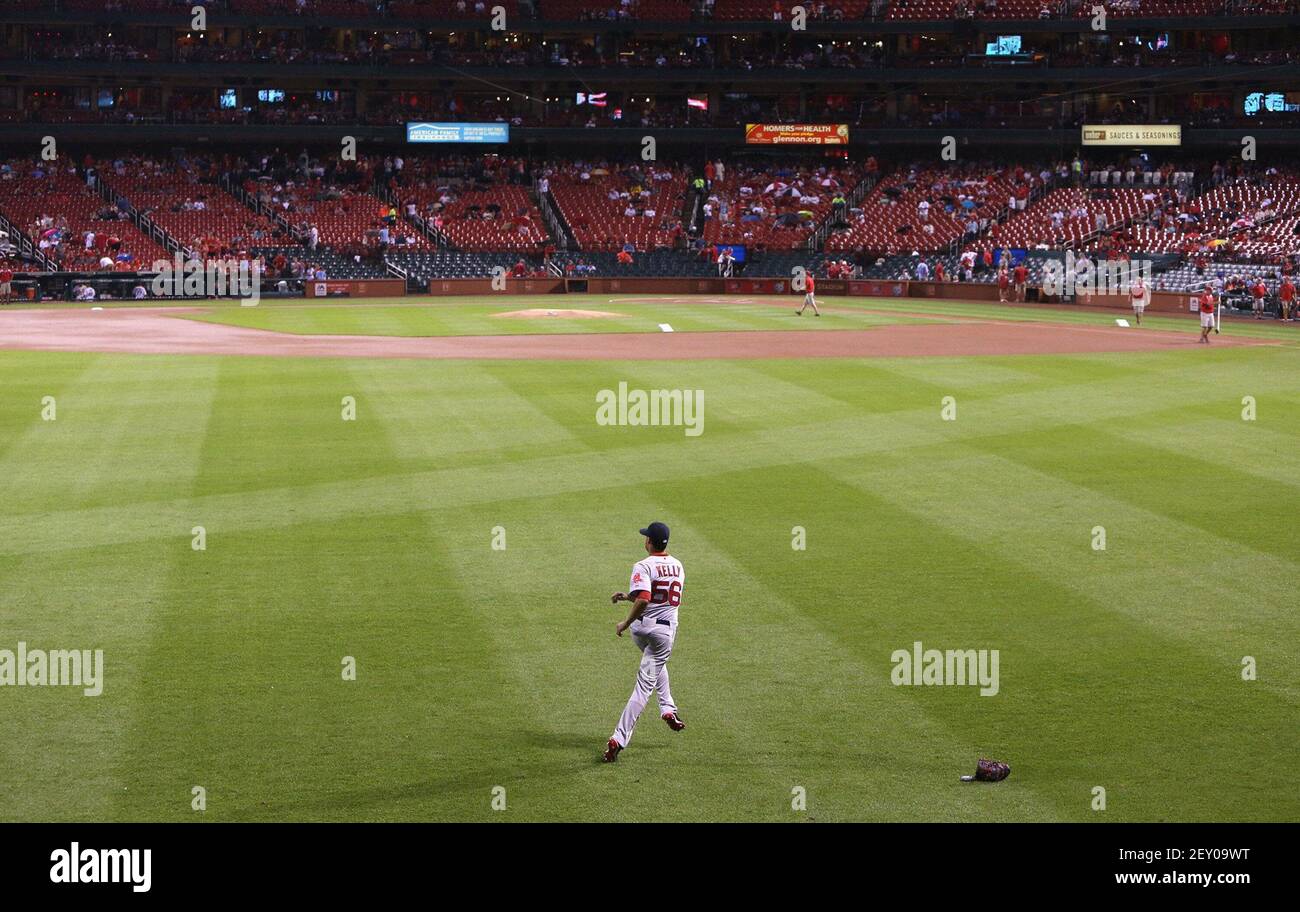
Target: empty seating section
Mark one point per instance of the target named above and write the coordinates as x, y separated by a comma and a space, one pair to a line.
335, 265
450, 264
56, 209
1068, 215
665, 263
1250, 215
890, 219
777, 209
1277, 238
487, 209
596, 208
1256, 216
478, 211
920, 10
343, 217
197, 212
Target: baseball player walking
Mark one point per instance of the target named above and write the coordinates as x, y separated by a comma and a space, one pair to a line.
1138, 294
809, 298
1207, 316
655, 593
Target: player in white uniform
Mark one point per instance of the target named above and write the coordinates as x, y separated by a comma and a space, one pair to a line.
1138, 293
655, 593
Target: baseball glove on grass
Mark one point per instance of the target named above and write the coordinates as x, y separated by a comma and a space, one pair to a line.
989, 771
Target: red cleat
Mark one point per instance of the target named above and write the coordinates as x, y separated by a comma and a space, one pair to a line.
674, 723
611, 751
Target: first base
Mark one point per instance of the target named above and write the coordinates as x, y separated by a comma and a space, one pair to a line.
665, 327
1123, 323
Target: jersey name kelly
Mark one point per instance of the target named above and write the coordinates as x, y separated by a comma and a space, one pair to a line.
663, 578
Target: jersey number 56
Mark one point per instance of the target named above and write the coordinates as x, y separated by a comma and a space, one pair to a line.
666, 593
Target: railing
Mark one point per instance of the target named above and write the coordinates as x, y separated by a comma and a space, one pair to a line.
1004, 214
148, 227
228, 183
555, 222
426, 228
25, 245
692, 212
817, 240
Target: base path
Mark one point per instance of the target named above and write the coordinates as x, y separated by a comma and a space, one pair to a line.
159, 331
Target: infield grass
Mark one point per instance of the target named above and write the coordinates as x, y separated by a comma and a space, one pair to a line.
482, 316
478, 317
477, 668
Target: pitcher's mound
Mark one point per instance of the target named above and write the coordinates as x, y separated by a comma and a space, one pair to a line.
540, 312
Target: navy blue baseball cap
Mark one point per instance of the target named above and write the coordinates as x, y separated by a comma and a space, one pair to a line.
657, 532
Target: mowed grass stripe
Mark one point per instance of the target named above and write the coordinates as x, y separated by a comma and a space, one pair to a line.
817, 674
656, 456
863, 587
25, 435
246, 689
1266, 450
493, 714
114, 428
1232, 596
90, 596
1066, 649
1179, 485
66, 750
247, 663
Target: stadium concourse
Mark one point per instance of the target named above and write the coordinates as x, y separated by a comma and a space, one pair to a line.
425, 217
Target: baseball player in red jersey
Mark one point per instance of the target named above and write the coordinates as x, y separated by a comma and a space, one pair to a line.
808, 300
1021, 275
1004, 281
6, 284
655, 593
1286, 295
1138, 294
1258, 292
1207, 315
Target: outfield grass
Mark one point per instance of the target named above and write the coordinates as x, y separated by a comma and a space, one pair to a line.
1068, 314
478, 668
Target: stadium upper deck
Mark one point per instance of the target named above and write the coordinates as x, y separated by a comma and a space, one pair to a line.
695, 12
